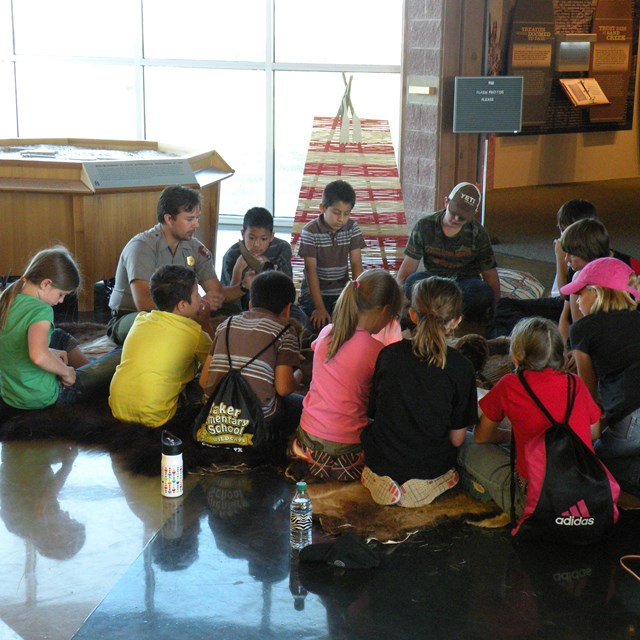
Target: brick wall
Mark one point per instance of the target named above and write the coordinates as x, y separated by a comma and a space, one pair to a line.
422, 53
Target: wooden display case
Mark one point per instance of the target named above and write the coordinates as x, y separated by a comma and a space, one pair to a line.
49, 194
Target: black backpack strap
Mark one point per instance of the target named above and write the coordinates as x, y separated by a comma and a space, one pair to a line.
512, 488
227, 341
571, 396
280, 334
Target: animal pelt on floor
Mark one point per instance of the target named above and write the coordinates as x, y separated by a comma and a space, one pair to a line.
348, 506
90, 423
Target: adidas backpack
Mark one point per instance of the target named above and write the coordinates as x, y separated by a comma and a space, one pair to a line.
571, 496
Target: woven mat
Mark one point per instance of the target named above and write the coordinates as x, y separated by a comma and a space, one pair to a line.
348, 506
370, 167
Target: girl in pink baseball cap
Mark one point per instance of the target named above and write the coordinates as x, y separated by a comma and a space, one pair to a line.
606, 348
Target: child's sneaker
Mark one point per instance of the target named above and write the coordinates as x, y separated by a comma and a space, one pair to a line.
419, 493
383, 489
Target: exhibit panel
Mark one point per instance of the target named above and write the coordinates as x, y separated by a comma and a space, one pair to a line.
578, 59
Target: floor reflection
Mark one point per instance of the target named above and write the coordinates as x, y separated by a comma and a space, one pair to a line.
30, 482
216, 563
219, 567
223, 568
67, 535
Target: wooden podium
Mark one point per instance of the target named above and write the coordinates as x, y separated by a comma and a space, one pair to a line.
93, 196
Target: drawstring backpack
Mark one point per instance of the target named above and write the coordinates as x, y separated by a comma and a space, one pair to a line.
571, 496
232, 417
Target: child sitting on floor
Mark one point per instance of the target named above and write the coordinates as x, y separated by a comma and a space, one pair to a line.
582, 242
537, 351
510, 310
606, 348
161, 352
423, 399
328, 245
274, 375
39, 364
335, 408
269, 252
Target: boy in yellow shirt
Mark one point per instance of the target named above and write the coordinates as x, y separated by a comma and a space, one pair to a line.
162, 351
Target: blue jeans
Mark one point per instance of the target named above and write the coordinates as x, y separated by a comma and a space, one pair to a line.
306, 302
477, 295
62, 341
509, 312
490, 465
619, 448
297, 313
93, 377
621, 439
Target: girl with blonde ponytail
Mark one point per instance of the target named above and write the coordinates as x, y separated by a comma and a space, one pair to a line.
423, 399
334, 411
537, 351
606, 348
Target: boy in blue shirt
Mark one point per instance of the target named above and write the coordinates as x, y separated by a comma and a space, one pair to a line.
259, 241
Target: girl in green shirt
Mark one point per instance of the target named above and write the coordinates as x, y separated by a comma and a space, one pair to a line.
37, 362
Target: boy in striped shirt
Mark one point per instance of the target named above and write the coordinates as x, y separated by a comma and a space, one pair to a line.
328, 244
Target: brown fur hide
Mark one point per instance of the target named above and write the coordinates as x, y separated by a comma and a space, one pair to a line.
348, 506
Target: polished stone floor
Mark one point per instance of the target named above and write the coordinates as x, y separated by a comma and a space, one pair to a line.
92, 552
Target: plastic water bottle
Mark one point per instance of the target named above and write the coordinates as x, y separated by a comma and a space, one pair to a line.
301, 517
171, 466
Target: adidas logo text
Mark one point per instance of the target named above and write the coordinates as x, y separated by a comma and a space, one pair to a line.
576, 516
572, 521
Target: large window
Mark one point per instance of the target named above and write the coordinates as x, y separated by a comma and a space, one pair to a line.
245, 78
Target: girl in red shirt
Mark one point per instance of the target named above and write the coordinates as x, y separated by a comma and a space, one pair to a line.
537, 351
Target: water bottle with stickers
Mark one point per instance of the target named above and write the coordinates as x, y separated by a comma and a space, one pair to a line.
171, 466
301, 517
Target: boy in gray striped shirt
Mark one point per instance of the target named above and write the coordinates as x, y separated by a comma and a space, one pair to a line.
328, 244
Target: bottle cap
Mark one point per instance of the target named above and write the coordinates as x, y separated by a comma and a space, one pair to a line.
301, 486
171, 445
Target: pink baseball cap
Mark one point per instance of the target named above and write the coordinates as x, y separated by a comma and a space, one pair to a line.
603, 272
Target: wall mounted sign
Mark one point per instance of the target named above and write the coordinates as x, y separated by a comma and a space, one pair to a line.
487, 104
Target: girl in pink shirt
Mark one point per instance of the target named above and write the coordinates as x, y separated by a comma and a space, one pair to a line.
334, 410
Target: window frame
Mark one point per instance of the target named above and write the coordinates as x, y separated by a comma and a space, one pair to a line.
10, 60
